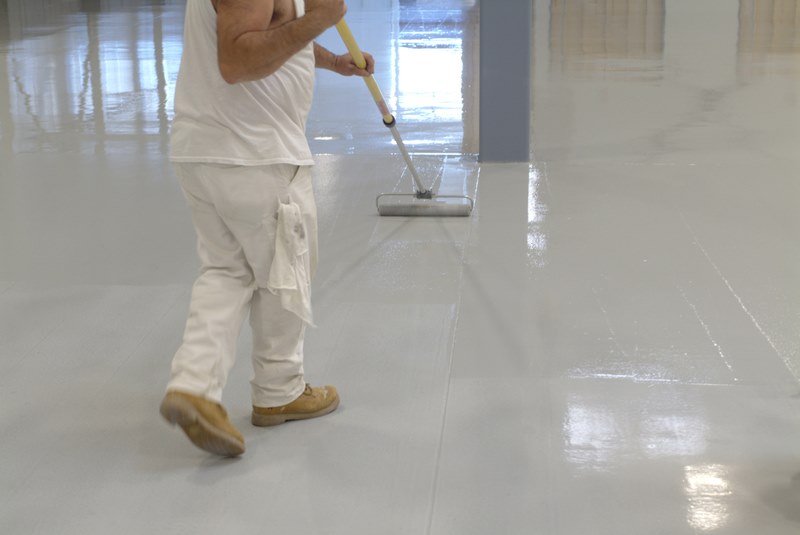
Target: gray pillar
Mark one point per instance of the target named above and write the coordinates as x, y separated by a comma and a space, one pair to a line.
505, 75
5, 24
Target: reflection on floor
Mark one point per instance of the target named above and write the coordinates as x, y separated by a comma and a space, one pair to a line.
609, 345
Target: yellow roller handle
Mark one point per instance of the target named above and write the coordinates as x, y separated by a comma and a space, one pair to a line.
361, 63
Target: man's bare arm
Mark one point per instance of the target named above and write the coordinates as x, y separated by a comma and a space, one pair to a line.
249, 48
344, 64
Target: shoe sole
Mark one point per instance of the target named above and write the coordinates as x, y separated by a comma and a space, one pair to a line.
199, 430
268, 420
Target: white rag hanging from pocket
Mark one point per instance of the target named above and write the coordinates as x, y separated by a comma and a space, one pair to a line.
289, 275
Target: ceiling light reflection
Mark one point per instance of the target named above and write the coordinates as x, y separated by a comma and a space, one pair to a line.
593, 437
708, 491
537, 239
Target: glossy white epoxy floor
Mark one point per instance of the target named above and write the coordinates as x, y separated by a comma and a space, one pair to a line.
610, 344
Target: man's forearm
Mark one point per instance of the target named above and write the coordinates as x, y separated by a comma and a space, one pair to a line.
342, 64
325, 59
257, 54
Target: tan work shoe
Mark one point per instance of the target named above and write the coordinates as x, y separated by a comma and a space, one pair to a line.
204, 422
313, 402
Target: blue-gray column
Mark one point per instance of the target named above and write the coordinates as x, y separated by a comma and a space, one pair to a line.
5, 24
505, 74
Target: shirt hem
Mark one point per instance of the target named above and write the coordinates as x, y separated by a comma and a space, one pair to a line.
244, 163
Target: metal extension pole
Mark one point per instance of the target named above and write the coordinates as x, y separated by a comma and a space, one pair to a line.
388, 119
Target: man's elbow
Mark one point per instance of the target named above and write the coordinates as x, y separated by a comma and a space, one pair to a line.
229, 73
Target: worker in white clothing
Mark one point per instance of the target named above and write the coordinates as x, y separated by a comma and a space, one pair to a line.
239, 149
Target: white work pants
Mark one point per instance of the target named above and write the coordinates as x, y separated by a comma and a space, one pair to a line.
234, 210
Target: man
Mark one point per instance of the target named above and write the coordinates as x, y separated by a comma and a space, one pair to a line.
238, 144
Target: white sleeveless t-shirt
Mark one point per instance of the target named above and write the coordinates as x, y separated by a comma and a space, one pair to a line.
249, 123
